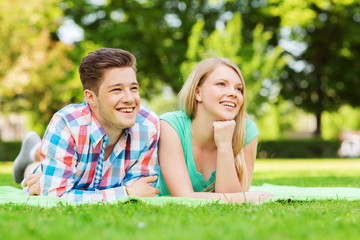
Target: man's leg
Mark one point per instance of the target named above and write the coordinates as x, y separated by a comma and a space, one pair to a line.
26, 155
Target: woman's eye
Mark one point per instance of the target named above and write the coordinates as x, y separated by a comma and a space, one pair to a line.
239, 89
134, 88
220, 84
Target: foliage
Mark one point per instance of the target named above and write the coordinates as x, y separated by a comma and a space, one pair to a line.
269, 123
259, 65
283, 120
165, 35
325, 73
22, 23
157, 32
160, 104
9, 150
154, 31
36, 71
346, 118
302, 148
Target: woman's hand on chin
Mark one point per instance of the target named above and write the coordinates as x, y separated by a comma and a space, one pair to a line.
223, 133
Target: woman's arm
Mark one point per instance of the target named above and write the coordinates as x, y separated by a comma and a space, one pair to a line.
250, 151
172, 162
226, 180
226, 175
176, 176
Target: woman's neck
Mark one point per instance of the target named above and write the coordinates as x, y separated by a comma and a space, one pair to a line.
202, 131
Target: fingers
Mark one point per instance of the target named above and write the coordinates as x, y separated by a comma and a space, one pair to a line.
223, 132
34, 190
142, 188
220, 126
149, 179
33, 180
33, 183
30, 178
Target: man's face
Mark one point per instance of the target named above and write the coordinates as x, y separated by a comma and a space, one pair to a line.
118, 100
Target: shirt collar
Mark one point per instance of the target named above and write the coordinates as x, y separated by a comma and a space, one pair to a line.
123, 142
97, 132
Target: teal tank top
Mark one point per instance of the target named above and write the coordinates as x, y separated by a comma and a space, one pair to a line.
182, 125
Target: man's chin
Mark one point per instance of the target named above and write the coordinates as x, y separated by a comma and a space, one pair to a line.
127, 123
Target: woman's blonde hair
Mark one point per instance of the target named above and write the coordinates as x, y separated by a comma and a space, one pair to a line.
189, 104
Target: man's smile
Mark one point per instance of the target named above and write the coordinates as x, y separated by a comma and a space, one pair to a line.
126, 110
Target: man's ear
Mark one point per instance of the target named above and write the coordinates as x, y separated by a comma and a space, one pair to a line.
90, 97
198, 95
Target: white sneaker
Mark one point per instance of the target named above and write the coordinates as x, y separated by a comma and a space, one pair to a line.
23, 158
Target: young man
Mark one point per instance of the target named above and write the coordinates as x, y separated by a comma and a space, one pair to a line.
103, 149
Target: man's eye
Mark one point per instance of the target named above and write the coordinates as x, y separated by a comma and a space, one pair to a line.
115, 90
134, 88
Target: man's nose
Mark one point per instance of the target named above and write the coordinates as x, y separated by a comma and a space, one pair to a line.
128, 97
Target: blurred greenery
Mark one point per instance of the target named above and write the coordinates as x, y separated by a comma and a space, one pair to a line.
325, 72
9, 150
292, 54
37, 74
298, 148
346, 118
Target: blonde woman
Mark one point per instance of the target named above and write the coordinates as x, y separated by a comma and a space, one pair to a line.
208, 150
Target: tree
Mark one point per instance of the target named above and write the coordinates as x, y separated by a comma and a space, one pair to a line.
36, 71
326, 74
157, 31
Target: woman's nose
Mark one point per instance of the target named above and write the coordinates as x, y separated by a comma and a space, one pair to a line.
231, 92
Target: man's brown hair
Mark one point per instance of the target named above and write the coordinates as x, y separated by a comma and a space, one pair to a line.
94, 65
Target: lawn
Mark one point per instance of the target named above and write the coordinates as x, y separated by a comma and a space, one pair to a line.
330, 219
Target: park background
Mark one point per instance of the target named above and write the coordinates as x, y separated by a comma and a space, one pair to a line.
300, 62
299, 59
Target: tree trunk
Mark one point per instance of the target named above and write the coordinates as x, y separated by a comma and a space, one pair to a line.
317, 132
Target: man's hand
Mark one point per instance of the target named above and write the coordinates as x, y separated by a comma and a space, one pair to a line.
142, 188
33, 183
223, 133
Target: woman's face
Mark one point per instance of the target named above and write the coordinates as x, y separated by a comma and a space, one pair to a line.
220, 95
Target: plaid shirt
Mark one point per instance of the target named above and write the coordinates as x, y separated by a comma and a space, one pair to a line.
70, 153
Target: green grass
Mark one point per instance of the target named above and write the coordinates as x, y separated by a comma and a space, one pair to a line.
330, 219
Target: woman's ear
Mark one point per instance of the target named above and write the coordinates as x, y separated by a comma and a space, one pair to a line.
198, 95
90, 97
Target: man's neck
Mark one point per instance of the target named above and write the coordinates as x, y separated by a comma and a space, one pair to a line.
113, 137
113, 133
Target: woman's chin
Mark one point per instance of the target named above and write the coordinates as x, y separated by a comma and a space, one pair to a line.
225, 119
